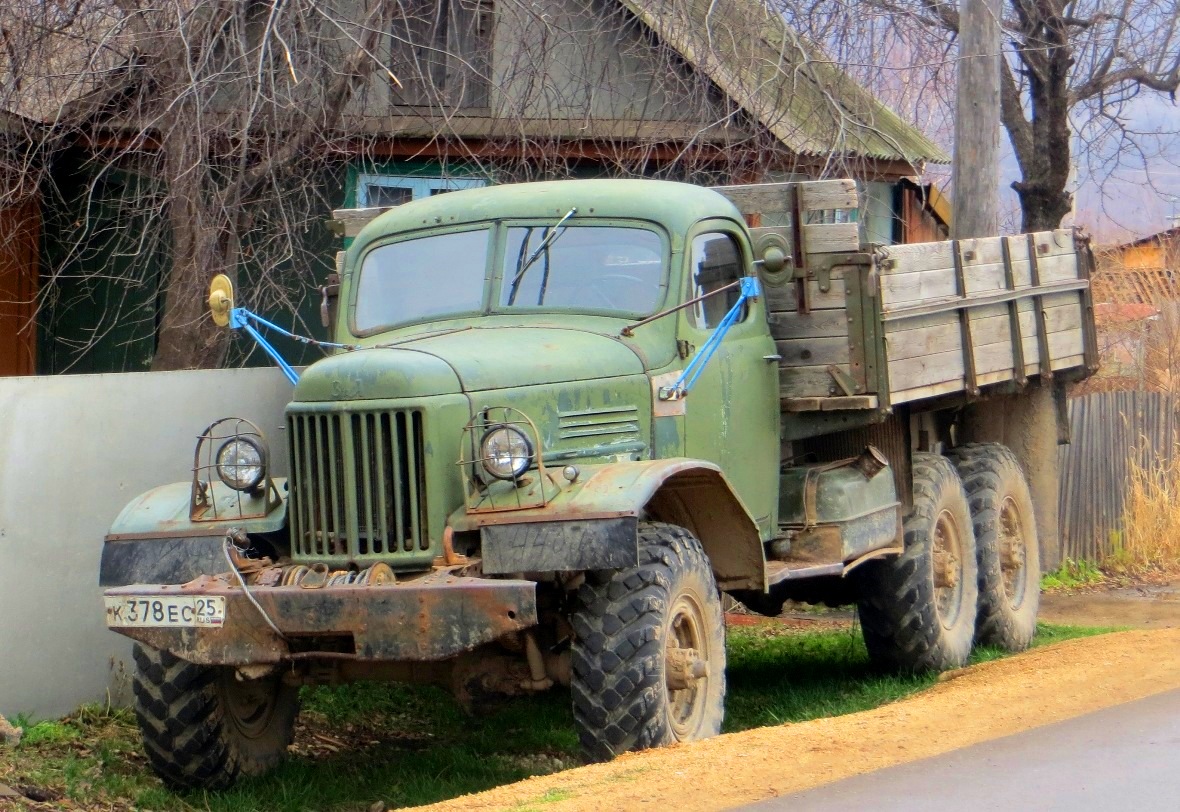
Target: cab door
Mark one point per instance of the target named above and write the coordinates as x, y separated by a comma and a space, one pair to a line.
732, 411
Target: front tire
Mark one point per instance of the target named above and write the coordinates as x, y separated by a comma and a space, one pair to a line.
1006, 537
202, 727
649, 649
917, 611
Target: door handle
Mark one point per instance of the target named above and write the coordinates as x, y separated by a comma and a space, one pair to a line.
770, 358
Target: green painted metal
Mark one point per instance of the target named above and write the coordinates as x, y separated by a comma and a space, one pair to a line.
164, 511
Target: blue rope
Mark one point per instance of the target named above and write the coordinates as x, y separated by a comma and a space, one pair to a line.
749, 289
240, 318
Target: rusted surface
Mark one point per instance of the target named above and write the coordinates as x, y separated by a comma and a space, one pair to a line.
432, 618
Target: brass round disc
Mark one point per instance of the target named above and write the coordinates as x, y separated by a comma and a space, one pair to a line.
221, 299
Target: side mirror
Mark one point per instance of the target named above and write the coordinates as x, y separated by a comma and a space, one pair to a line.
221, 299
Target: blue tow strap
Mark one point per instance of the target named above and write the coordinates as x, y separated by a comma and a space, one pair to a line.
240, 318
749, 289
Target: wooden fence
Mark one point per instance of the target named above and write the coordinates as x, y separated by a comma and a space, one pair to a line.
1109, 430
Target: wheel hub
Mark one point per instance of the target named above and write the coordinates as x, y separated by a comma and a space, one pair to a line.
947, 565
1012, 551
683, 667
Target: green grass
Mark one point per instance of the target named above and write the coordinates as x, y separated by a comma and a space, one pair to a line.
1072, 575
407, 745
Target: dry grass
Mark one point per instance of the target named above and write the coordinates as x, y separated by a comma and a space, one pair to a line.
1150, 541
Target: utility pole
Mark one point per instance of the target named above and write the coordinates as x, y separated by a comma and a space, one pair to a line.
1028, 422
976, 168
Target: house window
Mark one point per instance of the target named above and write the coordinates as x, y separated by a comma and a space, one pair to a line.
441, 52
390, 190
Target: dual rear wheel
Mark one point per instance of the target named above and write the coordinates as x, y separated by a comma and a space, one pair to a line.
970, 570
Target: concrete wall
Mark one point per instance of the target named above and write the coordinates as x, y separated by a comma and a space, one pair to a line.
73, 451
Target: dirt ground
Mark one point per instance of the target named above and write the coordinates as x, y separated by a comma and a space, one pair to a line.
1040, 687
1138, 607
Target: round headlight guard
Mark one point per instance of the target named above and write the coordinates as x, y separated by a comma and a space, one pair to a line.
506, 452
241, 463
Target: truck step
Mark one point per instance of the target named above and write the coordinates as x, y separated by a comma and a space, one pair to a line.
779, 571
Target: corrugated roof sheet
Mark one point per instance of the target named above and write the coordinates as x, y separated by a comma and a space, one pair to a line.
810, 105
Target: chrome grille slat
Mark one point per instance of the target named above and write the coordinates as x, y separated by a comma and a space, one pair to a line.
357, 484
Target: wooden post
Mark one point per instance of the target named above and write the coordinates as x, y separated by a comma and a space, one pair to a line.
1027, 422
976, 168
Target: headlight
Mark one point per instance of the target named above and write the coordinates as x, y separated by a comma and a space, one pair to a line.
506, 452
241, 464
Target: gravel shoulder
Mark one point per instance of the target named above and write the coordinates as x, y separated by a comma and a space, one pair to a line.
969, 706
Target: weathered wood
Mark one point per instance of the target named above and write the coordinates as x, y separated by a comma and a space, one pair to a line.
349, 222
817, 324
985, 329
760, 198
812, 381
976, 154
900, 289
813, 351
825, 195
831, 404
993, 364
831, 238
784, 299
930, 256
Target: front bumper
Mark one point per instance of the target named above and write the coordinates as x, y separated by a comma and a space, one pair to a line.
429, 619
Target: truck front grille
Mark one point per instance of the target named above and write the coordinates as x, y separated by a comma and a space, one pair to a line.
357, 485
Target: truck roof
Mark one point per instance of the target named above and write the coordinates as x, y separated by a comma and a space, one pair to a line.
675, 205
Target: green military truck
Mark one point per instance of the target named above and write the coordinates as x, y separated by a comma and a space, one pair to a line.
559, 421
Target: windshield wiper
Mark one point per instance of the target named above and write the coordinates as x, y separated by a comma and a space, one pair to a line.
549, 239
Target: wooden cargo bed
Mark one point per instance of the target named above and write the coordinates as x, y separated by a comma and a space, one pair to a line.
870, 327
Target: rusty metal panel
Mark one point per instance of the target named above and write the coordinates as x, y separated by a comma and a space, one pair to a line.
566, 546
431, 619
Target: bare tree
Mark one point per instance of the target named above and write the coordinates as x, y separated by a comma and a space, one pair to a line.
174, 139
1071, 72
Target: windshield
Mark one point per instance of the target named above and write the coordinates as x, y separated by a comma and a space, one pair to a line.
416, 280
582, 267
587, 267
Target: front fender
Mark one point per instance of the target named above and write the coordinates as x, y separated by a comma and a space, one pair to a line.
154, 540
592, 523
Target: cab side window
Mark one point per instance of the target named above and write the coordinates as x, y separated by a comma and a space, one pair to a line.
716, 262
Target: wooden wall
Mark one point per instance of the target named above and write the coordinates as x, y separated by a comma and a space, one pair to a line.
20, 229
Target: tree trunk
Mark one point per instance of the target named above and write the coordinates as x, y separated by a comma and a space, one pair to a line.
188, 338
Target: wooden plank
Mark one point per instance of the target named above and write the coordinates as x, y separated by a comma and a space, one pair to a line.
991, 328
831, 238
953, 303
813, 351
349, 222
1065, 345
834, 404
924, 392
899, 289
783, 299
931, 256
823, 195
813, 381
756, 198
817, 324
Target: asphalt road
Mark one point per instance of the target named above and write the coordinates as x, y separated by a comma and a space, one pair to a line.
1125, 757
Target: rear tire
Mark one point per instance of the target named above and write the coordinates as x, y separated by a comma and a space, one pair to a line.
649, 649
1006, 540
202, 727
917, 611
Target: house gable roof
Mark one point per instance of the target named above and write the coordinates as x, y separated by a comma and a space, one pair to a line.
787, 85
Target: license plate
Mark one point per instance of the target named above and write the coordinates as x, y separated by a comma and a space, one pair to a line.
165, 612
